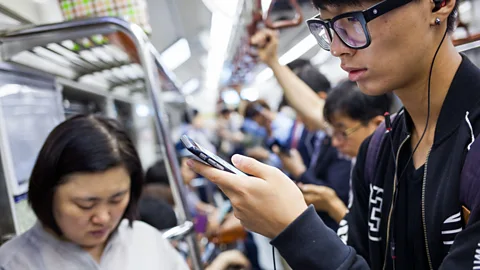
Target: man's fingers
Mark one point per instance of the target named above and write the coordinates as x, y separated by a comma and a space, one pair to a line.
294, 152
309, 188
224, 180
308, 198
261, 38
252, 166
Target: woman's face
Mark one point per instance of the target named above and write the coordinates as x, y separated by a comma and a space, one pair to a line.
89, 206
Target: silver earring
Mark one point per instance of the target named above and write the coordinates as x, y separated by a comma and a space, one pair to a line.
437, 21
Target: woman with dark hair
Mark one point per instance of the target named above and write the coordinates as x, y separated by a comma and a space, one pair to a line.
84, 190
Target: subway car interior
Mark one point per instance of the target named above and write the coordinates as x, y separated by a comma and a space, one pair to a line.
239, 134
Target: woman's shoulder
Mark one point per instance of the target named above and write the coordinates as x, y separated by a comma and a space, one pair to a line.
138, 227
17, 252
148, 246
140, 231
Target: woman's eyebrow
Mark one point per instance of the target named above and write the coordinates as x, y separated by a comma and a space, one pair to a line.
120, 193
89, 199
94, 199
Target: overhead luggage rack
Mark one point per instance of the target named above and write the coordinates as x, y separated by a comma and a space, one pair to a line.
98, 60
102, 57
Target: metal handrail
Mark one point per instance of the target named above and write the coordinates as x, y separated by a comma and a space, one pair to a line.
468, 43
297, 19
16, 41
179, 232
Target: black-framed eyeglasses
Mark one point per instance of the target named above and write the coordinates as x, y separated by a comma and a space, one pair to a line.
343, 135
350, 27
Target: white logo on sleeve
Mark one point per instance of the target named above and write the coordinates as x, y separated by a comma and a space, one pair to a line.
450, 228
342, 231
375, 213
476, 260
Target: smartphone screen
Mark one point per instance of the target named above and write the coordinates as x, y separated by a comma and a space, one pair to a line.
208, 157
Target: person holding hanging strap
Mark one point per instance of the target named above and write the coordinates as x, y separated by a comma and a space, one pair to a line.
411, 210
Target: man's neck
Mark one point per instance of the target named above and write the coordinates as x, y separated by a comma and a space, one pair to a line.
415, 96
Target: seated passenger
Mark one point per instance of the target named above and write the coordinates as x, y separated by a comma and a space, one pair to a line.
354, 116
84, 190
157, 184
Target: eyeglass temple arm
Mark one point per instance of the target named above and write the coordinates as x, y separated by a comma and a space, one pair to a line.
382, 8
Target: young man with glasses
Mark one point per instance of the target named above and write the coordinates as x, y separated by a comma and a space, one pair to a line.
410, 212
353, 116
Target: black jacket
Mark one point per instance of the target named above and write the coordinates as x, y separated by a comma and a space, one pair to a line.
308, 244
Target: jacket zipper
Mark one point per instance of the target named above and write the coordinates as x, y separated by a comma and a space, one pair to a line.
423, 212
391, 205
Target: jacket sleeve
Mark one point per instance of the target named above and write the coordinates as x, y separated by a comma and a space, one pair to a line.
465, 251
308, 244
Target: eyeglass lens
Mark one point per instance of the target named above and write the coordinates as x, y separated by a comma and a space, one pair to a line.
349, 29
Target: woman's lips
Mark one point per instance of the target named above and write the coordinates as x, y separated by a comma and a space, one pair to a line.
99, 233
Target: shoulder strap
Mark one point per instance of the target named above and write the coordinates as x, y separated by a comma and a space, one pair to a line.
470, 175
470, 179
373, 150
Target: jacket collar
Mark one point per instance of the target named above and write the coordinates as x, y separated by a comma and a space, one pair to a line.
462, 96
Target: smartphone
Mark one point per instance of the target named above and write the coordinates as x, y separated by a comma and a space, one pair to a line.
208, 157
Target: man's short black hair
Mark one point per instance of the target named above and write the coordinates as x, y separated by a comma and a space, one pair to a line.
321, 4
310, 75
298, 63
157, 173
251, 110
347, 99
157, 213
84, 143
189, 114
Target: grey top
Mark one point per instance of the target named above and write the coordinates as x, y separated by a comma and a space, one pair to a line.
139, 247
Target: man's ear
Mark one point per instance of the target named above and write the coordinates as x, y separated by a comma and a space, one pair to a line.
322, 95
444, 10
377, 120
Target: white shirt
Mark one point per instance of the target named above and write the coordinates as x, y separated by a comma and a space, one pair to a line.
138, 247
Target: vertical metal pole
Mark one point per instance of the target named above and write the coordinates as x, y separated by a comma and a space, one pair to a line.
173, 170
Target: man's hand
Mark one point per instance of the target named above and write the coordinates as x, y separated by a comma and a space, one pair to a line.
266, 202
292, 163
324, 199
229, 258
266, 41
258, 153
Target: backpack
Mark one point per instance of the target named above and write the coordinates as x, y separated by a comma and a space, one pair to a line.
469, 176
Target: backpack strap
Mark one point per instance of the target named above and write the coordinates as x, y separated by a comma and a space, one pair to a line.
470, 180
373, 150
470, 175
